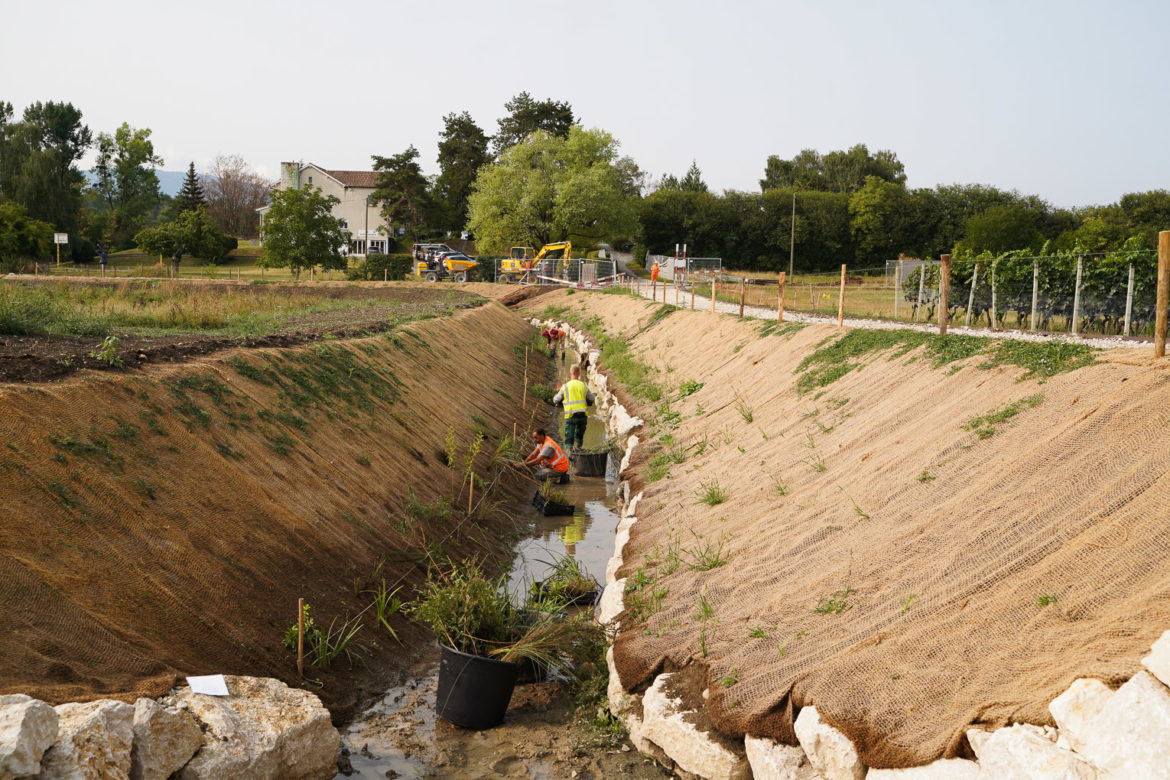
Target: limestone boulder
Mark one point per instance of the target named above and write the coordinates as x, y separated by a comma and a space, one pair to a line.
93, 742
772, 760
1130, 737
28, 727
164, 740
1077, 709
631, 443
666, 723
1026, 752
620, 702
943, 769
263, 730
612, 601
829, 751
1158, 661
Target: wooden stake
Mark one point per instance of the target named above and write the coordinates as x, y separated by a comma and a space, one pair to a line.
692, 294
470, 491
524, 402
301, 638
780, 302
1163, 293
714, 289
841, 301
944, 294
742, 287
675, 294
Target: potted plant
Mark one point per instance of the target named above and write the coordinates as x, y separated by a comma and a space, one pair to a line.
551, 501
483, 636
566, 585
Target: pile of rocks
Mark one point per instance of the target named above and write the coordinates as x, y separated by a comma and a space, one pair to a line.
263, 729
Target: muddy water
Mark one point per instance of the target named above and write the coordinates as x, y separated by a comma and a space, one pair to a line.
400, 736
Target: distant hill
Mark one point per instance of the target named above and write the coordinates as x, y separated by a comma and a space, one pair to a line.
169, 182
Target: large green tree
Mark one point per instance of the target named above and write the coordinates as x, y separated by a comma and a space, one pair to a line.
22, 238
403, 191
526, 116
192, 233
190, 197
837, 171
463, 150
126, 183
549, 188
300, 231
38, 161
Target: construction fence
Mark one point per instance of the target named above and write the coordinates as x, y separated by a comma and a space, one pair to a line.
576, 272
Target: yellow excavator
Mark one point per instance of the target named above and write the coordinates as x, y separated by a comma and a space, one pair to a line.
522, 261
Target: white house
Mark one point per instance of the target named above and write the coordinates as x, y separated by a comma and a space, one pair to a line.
367, 230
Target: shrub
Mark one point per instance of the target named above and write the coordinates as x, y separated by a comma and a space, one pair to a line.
376, 267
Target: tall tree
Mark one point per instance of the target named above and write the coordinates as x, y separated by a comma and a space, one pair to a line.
463, 149
234, 192
549, 188
526, 116
838, 171
300, 231
402, 191
126, 182
190, 197
38, 161
693, 180
21, 238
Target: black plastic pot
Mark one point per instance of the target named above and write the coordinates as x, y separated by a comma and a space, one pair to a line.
589, 464
551, 508
581, 600
474, 691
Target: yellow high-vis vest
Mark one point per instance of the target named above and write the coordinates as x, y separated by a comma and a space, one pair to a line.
574, 399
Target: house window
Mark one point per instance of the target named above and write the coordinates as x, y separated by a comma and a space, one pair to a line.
310, 180
344, 224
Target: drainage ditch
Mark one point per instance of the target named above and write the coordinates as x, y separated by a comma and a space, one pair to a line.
400, 736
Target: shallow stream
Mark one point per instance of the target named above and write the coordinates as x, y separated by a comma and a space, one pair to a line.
400, 736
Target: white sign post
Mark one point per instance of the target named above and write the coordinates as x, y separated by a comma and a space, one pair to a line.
59, 239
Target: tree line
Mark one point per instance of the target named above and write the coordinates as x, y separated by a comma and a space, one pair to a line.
44, 191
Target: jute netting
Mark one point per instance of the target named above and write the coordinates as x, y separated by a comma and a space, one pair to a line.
165, 522
914, 579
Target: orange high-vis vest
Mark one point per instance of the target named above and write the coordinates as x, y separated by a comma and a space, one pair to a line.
654, 273
559, 462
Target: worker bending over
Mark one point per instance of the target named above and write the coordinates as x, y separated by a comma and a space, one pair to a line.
576, 398
553, 463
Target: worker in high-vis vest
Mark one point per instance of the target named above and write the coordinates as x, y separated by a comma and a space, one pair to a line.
575, 397
549, 457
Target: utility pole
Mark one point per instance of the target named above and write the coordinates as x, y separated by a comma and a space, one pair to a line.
792, 236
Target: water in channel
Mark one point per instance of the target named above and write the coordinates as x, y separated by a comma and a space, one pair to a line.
400, 736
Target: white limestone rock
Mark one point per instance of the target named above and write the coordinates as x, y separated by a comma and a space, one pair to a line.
28, 727
1026, 752
772, 760
620, 702
1076, 709
164, 740
263, 731
664, 723
1158, 661
612, 601
93, 742
828, 750
1130, 737
631, 443
943, 769
977, 738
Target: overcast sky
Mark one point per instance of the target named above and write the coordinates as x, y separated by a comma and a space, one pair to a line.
1063, 99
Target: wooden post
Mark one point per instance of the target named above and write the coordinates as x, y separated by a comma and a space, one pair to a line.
971, 295
1163, 293
1035, 294
1128, 302
812, 298
654, 290
1076, 315
675, 292
991, 314
841, 301
897, 286
301, 638
714, 286
780, 300
524, 402
944, 294
470, 490
921, 280
742, 287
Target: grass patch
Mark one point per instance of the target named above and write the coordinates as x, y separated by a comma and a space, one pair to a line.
711, 494
835, 604
984, 426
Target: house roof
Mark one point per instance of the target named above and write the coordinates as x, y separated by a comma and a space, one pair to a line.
355, 178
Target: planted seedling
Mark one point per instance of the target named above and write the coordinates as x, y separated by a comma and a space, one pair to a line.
757, 632
778, 487
925, 477
744, 409
906, 603
710, 493
835, 604
729, 680
1044, 599
816, 463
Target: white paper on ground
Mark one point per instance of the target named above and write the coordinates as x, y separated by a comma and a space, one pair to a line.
211, 684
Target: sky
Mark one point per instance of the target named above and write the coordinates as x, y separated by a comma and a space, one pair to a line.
1063, 99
